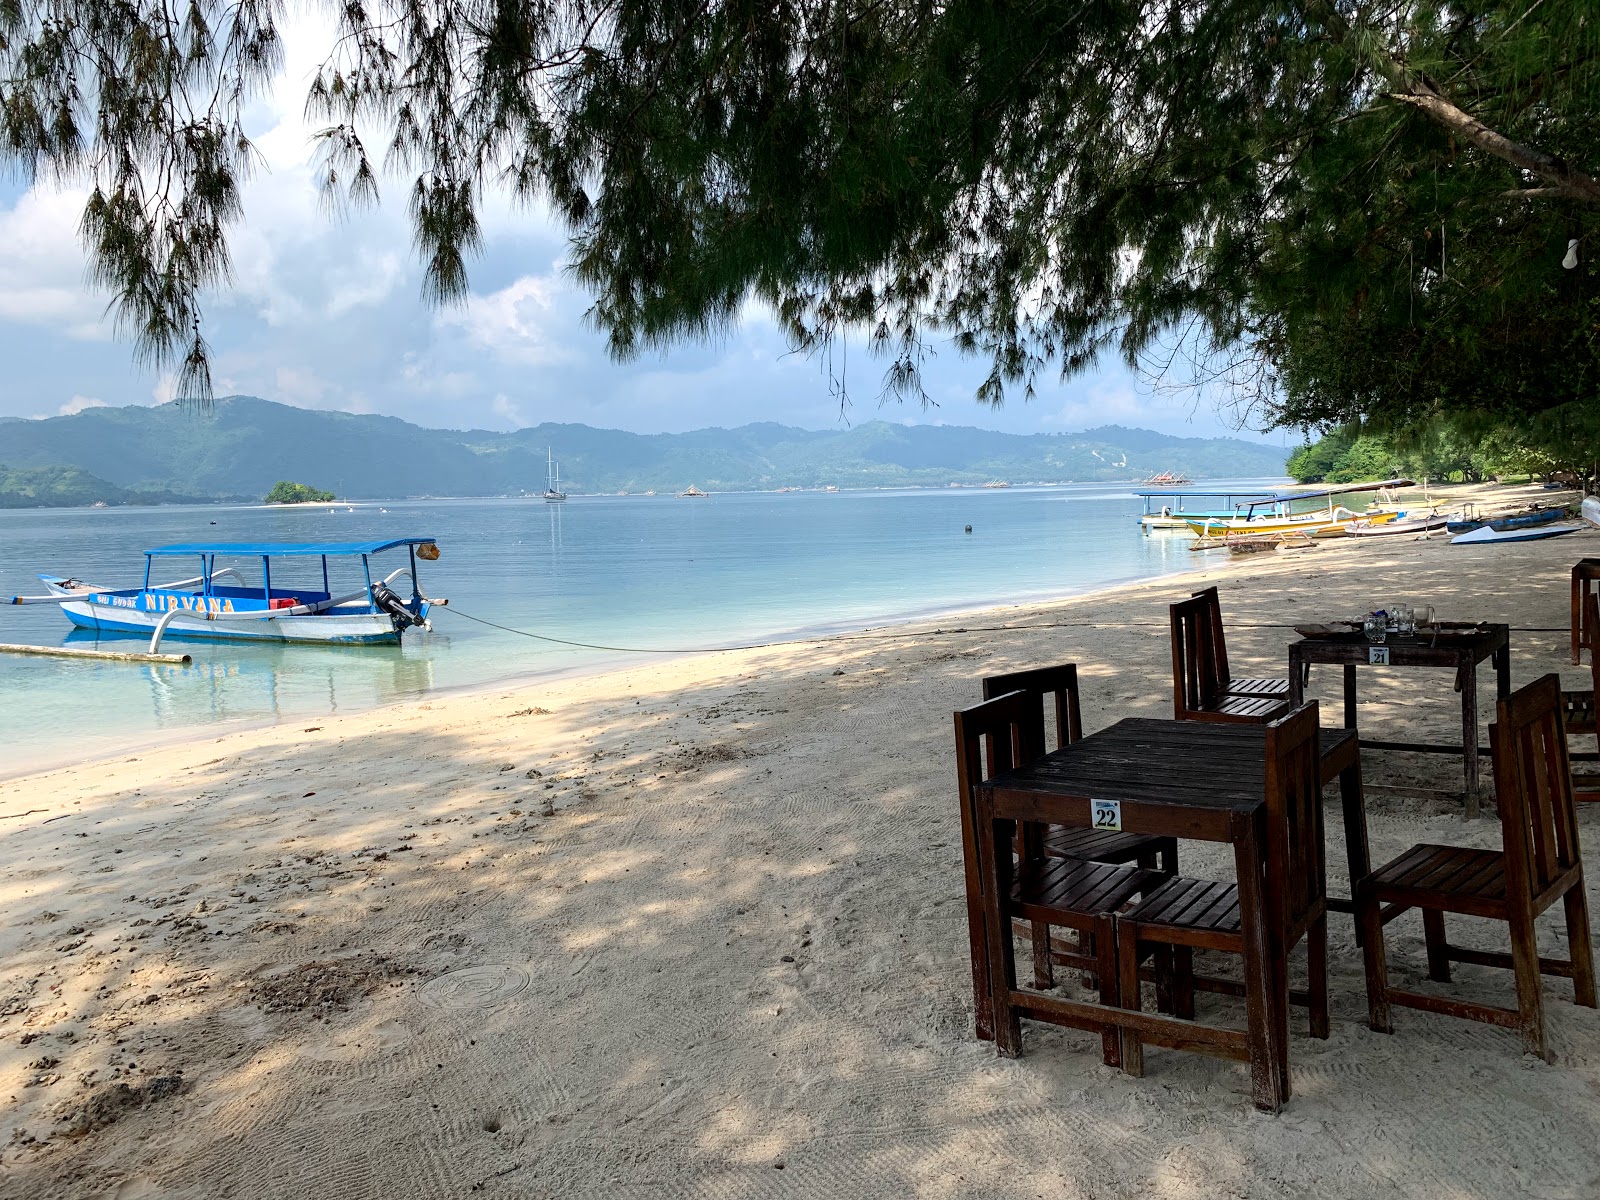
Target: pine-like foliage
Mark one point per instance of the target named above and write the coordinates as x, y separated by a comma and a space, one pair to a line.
1041, 181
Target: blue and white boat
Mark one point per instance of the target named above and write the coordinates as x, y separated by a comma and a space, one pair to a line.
219, 604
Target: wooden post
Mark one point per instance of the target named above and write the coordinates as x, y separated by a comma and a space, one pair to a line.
179, 660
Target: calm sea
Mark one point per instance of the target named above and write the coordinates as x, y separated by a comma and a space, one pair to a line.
620, 571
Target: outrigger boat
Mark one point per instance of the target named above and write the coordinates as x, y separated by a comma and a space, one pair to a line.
1169, 509
1274, 514
205, 607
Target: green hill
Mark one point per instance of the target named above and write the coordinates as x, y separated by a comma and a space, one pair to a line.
243, 445
67, 487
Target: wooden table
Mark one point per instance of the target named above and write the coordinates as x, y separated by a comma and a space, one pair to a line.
1462, 651
1183, 779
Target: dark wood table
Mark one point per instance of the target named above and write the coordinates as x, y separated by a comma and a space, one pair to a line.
1183, 779
1461, 650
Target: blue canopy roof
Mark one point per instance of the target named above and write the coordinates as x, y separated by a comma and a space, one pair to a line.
286, 549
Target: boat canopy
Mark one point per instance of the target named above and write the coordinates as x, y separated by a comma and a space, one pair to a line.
1185, 493
1329, 493
286, 549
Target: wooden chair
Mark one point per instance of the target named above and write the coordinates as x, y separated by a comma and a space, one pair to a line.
1058, 687
1035, 887
1580, 708
1191, 914
1584, 574
1538, 865
1203, 689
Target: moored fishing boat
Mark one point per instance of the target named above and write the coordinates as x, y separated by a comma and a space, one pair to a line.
1515, 533
1426, 523
1274, 514
206, 607
692, 493
1527, 519
1166, 509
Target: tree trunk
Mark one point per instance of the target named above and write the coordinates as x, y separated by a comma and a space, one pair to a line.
1410, 88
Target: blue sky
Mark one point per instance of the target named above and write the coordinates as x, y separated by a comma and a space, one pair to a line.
327, 314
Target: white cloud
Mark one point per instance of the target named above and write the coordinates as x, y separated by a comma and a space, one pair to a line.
503, 407
299, 386
529, 323
42, 270
78, 403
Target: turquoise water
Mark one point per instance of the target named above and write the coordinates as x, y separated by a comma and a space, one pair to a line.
631, 571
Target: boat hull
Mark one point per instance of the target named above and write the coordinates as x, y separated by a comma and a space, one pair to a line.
335, 627
1531, 520
1317, 525
1389, 528
1527, 533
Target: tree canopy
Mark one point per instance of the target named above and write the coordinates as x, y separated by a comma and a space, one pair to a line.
1042, 182
286, 491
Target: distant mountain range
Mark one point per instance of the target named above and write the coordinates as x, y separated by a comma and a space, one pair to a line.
242, 445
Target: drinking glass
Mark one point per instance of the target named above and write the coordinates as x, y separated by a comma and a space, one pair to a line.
1401, 615
1376, 627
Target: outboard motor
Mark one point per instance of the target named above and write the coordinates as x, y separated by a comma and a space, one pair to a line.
389, 600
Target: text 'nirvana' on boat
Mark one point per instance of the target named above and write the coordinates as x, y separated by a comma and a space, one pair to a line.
207, 607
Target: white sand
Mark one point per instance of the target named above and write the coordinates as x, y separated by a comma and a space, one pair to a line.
633, 1027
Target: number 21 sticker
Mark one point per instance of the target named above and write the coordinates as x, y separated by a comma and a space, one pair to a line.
1378, 656
1105, 814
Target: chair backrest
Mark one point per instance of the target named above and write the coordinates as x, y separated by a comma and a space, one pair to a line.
1058, 683
1296, 871
1199, 654
1533, 787
1591, 631
995, 736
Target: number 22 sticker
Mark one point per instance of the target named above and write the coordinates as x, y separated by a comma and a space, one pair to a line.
1105, 814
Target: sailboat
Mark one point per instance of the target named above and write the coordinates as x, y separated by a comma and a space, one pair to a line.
552, 477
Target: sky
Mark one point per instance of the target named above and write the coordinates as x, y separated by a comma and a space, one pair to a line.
327, 313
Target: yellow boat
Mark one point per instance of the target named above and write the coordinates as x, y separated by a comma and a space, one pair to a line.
1274, 514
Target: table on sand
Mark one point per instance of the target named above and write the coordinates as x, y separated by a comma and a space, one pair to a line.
1184, 779
1461, 649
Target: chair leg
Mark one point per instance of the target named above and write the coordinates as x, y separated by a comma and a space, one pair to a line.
1579, 948
1317, 964
1128, 996
1377, 968
1183, 982
1530, 990
1438, 952
1044, 970
1169, 859
1105, 940
1163, 967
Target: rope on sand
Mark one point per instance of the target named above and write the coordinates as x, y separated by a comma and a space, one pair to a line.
884, 636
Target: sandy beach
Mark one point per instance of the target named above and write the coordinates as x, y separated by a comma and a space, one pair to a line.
697, 929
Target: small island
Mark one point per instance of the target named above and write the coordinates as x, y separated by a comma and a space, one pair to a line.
285, 492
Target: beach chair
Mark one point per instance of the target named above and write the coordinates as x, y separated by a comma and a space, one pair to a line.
1581, 708
1040, 889
1538, 865
1184, 915
1203, 689
1057, 688
1033, 886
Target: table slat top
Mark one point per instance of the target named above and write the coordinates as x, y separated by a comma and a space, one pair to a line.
1191, 764
1405, 649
